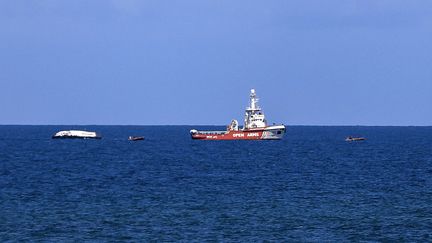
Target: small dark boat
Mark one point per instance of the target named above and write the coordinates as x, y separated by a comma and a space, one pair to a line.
133, 138
352, 139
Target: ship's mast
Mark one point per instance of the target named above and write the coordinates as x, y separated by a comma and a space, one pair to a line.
253, 101
254, 117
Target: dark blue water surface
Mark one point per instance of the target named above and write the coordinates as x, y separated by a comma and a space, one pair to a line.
310, 186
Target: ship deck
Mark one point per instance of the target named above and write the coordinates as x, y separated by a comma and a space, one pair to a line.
212, 132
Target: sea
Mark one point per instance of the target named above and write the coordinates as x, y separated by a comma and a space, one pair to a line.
311, 186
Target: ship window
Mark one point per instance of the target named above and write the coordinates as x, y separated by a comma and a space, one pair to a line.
279, 132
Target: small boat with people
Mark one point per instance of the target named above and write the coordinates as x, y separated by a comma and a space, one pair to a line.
353, 139
135, 138
76, 134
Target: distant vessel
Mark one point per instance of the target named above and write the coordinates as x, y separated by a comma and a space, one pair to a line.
76, 134
255, 126
134, 138
352, 139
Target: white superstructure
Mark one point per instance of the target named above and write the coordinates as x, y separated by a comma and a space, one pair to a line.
254, 116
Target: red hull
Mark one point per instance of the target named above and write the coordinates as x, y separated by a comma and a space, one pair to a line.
252, 134
231, 135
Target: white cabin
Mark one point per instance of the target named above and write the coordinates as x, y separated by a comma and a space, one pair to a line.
254, 116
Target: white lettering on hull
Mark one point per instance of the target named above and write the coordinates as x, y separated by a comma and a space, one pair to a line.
238, 135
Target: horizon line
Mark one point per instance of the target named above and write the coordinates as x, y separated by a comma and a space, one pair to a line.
294, 125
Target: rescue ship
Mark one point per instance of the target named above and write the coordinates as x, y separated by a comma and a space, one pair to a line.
255, 126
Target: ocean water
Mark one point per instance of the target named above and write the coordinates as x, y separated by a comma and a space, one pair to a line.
311, 186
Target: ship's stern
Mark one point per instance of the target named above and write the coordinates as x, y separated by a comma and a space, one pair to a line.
274, 132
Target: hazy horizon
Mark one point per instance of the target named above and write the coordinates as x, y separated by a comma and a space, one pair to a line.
218, 125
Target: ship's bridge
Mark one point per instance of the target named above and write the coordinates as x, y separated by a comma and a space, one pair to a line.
254, 117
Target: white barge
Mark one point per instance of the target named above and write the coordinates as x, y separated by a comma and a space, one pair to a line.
76, 134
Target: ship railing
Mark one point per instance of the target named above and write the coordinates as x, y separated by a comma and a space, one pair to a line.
212, 132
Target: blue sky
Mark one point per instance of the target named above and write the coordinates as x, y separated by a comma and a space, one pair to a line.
344, 62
